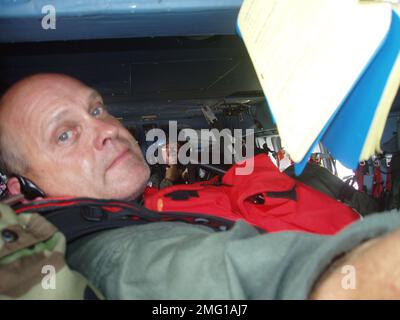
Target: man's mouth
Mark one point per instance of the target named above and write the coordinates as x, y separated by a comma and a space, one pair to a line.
120, 158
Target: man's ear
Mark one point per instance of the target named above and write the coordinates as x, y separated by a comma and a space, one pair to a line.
13, 186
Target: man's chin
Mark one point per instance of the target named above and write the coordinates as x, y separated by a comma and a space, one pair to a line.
128, 186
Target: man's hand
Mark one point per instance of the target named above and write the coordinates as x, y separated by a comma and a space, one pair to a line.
170, 153
173, 172
377, 272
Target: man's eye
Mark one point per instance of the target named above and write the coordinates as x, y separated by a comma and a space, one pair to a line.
65, 136
97, 111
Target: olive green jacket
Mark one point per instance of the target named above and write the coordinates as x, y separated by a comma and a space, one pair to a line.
174, 260
170, 260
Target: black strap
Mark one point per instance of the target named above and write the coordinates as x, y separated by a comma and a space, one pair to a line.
89, 294
346, 192
76, 218
289, 194
182, 195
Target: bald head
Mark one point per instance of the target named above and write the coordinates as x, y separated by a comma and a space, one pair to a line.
56, 131
29, 90
20, 96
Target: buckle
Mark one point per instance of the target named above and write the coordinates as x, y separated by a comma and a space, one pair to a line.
93, 214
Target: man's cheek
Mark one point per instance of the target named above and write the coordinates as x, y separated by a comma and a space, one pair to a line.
85, 166
137, 152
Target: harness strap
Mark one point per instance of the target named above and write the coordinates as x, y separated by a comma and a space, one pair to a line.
76, 218
360, 172
377, 187
388, 183
346, 193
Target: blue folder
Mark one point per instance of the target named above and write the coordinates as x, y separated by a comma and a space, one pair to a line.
345, 133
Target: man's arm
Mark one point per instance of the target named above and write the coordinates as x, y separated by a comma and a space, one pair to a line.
181, 261
376, 264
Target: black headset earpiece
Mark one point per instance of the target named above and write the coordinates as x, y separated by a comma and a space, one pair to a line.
29, 189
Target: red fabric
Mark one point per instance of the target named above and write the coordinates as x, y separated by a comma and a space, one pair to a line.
377, 187
312, 211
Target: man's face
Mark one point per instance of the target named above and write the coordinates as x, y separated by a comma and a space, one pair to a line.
74, 147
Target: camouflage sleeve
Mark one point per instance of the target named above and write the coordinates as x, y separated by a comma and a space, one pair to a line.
32, 261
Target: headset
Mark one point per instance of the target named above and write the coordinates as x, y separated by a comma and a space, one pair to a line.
30, 190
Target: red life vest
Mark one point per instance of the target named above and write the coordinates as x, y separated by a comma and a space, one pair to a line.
265, 198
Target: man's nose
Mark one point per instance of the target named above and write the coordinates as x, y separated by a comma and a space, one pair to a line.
104, 133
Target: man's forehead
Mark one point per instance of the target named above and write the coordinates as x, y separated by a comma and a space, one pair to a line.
49, 107
94, 94
57, 114
43, 88
57, 109
19, 105
60, 94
